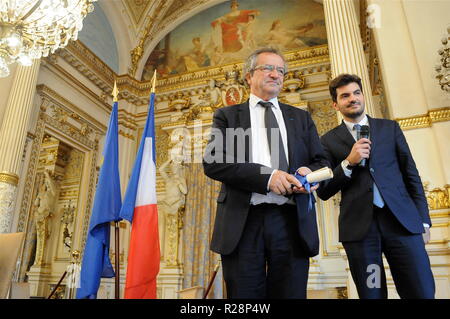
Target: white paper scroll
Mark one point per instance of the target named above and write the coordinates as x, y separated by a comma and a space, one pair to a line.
320, 175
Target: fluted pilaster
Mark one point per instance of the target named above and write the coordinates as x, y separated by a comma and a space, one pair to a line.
345, 45
12, 138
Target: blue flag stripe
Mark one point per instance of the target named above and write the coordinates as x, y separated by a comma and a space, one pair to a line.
106, 208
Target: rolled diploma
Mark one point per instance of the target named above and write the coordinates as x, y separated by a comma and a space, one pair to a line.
319, 175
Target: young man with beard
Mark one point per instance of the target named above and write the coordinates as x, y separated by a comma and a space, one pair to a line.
383, 209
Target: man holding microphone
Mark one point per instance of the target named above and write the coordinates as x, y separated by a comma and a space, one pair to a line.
383, 208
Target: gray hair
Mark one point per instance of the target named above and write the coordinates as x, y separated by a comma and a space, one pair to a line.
250, 64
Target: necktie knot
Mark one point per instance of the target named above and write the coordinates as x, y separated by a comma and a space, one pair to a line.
266, 105
357, 127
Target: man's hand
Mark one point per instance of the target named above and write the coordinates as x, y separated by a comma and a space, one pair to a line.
360, 150
304, 171
426, 235
281, 183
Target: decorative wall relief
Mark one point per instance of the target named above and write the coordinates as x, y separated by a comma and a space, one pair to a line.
171, 206
437, 198
68, 122
43, 213
323, 115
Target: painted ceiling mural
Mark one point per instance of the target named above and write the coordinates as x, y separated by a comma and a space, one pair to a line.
230, 31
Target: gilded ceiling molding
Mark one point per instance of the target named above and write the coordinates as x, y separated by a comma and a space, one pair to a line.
137, 9
52, 64
426, 120
92, 66
138, 51
295, 59
126, 119
137, 92
177, 6
165, 14
126, 135
77, 113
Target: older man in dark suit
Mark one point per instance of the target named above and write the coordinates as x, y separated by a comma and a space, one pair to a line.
265, 229
383, 206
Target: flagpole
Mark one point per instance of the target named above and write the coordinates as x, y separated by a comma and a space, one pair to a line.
117, 255
153, 82
115, 93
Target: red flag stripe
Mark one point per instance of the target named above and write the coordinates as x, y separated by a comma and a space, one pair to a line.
144, 254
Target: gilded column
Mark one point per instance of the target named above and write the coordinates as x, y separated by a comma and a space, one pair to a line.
12, 138
345, 45
347, 56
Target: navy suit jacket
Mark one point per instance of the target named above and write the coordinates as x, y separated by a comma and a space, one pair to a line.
394, 171
240, 178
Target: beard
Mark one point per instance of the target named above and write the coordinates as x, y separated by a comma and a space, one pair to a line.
354, 113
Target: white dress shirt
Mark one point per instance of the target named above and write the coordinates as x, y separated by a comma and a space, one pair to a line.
260, 152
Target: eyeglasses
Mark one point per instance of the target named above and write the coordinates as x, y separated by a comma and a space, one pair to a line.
267, 68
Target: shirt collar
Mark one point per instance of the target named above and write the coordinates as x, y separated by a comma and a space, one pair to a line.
350, 125
254, 100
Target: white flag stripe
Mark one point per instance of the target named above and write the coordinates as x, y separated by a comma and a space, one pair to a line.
146, 192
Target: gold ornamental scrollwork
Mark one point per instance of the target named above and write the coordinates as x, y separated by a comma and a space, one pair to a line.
10, 178
437, 198
137, 52
293, 82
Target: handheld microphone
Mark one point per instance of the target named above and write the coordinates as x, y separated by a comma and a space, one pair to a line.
363, 132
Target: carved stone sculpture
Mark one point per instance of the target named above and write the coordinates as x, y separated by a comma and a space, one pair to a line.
44, 203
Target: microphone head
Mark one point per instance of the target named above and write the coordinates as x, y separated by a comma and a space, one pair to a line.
364, 132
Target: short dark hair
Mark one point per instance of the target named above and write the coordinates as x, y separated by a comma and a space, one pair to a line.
342, 80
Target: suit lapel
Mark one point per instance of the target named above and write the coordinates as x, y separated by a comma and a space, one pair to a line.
244, 115
289, 122
343, 133
373, 135
245, 123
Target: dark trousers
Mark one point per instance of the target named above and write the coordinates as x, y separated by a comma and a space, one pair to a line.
268, 261
405, 253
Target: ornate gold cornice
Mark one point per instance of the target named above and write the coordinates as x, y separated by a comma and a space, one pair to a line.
10, 178
127, 119
83, 89
137, 92
44, 90
126, 135
91, 62
426, 120
295, 59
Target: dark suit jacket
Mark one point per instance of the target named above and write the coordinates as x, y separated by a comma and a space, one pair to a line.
392, 168
240, 178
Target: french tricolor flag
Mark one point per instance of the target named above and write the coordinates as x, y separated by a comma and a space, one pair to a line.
140, 209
